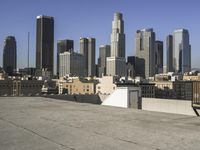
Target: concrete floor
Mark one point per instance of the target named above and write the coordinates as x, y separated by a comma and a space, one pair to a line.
47, 124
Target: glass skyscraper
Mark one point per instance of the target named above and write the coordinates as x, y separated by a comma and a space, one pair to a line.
63, 46
9, 55
45, 43
181, 51
145, 53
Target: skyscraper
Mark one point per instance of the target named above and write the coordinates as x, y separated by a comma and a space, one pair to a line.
159, 57
169, 44
116, 62
181, 51
9, 55
72, 63
63, 46
87, 48
145, 53
45, 43
104, 52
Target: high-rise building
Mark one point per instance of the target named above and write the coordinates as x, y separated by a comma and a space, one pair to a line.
63, 46
145, 53
116, 66
104, 52
45, 43
72, 63
87, 48
181, 51
131, 60
169, 44
9, 55
159, 57
116, 62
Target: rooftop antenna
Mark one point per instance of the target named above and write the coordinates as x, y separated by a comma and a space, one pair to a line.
28, 52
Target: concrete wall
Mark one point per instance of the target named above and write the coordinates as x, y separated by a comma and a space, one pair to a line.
103, 96
168, 106
88, 98
119, 98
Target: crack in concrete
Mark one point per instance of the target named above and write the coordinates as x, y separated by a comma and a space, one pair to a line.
35, 133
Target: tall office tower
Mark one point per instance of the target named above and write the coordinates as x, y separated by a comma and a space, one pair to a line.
9, 55
181, 51
104, 52
131, 60
45, 43
87, 48
63, 46
145, 53
72, 63
159, 57
169, 44
131, 66
117, 61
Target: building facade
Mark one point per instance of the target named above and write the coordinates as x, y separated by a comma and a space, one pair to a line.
147, 90
115, 66
45, 43
20, 87
145, 53
87, 49
116, 62
181, 51
106, 85
72, 63
63, 46
10, 55
104, 52
169, 48
174, 90
79, 86
159, 57
196, 93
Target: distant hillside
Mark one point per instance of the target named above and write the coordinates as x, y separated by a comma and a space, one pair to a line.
197, 69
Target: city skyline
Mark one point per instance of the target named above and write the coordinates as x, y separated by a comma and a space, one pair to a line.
91, 25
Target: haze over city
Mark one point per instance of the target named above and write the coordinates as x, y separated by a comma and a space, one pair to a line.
75, 19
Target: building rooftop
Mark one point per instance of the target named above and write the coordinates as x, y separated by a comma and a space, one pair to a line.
42, 123
44, 16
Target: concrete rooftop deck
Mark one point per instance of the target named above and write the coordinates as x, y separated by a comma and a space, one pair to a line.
36, 123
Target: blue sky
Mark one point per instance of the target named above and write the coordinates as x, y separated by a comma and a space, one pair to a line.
93, 18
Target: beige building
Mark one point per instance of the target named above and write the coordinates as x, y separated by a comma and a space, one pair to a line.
78, 85
191, 77
106, 85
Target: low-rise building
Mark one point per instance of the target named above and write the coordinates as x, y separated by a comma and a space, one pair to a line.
76, 85
174, 90
164, 89
183, 89
20, 87
106, 85
191, 77
147, 89
196, 93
